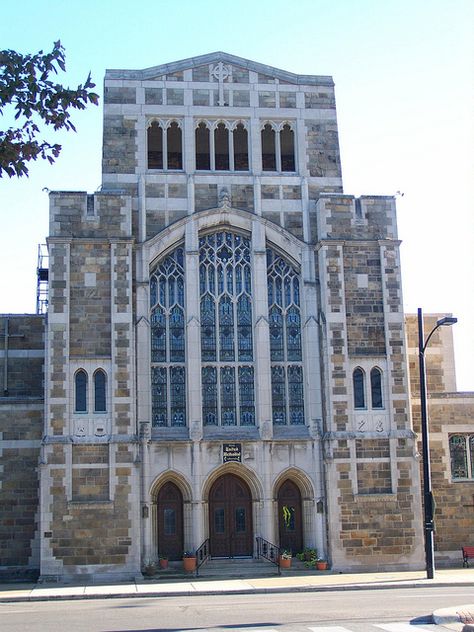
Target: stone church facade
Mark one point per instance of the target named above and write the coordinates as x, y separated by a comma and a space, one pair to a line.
224, 353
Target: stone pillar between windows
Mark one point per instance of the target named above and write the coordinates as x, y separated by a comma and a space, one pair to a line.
212, 148
261, 332
231, 149
193, 336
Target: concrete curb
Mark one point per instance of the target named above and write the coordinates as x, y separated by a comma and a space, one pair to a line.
452, 618
448, 618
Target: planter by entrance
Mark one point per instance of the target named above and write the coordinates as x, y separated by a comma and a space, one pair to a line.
189, 564
285, 562
322, 566
164, 562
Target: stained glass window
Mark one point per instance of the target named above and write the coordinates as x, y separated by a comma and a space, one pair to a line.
168, 377
359, 388
99, 392
81, 392
285, 341
225, 283
461, 450
376, 388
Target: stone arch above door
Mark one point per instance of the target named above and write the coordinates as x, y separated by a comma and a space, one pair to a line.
239, 470
173, 477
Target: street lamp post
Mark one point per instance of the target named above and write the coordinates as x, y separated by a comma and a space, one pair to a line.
427, 491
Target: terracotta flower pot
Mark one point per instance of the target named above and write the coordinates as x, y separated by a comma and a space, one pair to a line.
322, 566
163, 563
189, 564
285, 562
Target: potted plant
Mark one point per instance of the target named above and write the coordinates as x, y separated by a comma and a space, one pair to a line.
149, 567
321, 564
163, 561
285, 558
189, 561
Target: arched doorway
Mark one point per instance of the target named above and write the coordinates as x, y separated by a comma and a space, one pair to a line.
170, 521
230, 517
290, 527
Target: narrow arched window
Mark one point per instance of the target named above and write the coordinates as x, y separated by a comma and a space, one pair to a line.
100, 399
203, 152
80, 383
155, 146
376, 388
175, 152
268, 148
359, 388
221, 147
287, 148
241, 149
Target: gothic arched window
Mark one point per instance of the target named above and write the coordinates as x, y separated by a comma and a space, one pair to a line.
376, 388
241, 148
221, 148
285, 341
168, 341
80, 395
358, 383
203, 148
155, 146
268, 148
174, 146
228, 388
100, 398
165, 145
287, 148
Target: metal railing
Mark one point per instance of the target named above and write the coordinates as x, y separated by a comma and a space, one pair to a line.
202, 555
269, 551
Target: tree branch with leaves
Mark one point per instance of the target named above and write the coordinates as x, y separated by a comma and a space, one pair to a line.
26, 87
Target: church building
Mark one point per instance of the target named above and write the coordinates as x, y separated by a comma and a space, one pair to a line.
223, 359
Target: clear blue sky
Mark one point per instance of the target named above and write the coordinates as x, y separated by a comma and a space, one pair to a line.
404, 86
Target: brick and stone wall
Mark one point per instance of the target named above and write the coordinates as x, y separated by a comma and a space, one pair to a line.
449, 412
21, 430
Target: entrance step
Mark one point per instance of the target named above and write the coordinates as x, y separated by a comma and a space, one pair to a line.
238, 568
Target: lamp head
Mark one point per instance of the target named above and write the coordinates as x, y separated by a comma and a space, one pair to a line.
446, 321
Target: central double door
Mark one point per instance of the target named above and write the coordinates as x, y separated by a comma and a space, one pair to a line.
230, 518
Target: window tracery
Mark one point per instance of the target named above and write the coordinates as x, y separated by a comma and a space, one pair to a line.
228, 391
461, 452
285, 341
168, 341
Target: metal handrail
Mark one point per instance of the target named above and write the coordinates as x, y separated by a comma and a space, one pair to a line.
202, 555
269, 551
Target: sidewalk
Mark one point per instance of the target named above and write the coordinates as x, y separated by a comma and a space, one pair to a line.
453, 618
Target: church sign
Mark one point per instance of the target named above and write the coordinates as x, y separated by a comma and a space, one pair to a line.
231, 452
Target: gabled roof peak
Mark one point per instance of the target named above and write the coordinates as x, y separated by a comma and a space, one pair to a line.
213, 58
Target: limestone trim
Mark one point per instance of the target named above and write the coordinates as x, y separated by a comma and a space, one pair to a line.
300, 478
170, 476
240, 470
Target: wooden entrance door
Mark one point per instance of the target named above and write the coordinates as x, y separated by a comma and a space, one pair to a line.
289, 517
230, 518
170, 522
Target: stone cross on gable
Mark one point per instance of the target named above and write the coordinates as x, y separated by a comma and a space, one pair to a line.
221, 72
6, 336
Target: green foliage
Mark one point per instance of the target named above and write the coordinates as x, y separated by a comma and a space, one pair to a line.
25, 86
